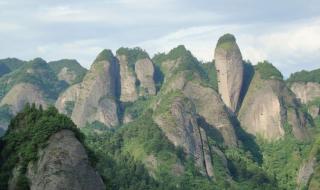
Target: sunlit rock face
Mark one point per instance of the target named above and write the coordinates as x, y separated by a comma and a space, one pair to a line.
229, 65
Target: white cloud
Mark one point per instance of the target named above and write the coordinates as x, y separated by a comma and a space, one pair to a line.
287, 46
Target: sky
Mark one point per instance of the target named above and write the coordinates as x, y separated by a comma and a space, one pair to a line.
284, 32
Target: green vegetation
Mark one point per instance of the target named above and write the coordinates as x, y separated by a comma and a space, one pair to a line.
72, 65
282, 159
28, 132
133, 55
247, 173
211, 73
268, 71
137, 108
69, 105
187, 63
5, 114
4, 69
12, 63
305, 76
36, 72
226, 42
105, 55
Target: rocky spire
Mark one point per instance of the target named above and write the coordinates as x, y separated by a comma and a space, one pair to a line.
228, 62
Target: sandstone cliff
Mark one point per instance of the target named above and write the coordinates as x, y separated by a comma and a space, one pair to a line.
136, 74
127, 80
62, 164
271, 110
145, 71
21, 94
182, 130
228, 62
66, 100
308, 93
96, 98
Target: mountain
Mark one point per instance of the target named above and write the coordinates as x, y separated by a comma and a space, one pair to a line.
68, 70
33, 82
8, 65
43, 149
164, 122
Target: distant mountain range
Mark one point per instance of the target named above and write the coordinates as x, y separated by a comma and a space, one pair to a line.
167, 122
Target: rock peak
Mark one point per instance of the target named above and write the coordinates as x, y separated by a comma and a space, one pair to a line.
105, 55
226, 38
229, 64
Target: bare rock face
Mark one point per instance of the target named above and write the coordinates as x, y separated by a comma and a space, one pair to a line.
183, 130
269, 107
128, 81
264, 115
96, 99
228, 62
145, 70
306, 92
305, 172
67, 75
68, 97
210, 106
63, 164
314, 111
21, 94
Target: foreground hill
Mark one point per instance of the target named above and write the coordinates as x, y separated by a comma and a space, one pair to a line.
44, 150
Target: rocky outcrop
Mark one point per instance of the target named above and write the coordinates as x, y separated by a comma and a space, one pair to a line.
21, 94
229, 65
306, 92
305, 172
63, 164
128, 81
183, 131
270, 108
66, 98
145, 70
67, 75
210, 106
96, 100
314, 110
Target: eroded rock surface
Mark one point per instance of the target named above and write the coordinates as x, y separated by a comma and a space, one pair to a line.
145, 70
96, 100
21, 94
183, 130
305, 172
63, 164
269, 107
67, 75
306, 92
128, 81
229, 65
68, 97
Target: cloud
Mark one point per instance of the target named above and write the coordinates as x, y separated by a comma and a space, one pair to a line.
290, 47
80, 29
